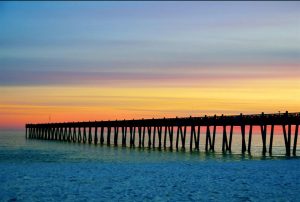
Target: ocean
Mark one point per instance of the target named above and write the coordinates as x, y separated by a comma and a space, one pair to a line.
39, 170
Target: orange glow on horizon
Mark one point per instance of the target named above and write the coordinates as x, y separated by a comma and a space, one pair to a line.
20, 105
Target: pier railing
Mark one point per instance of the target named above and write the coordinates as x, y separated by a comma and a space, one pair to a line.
163, 129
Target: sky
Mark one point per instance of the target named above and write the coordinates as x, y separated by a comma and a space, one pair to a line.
86, 61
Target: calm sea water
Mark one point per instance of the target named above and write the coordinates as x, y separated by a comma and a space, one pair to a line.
36, 170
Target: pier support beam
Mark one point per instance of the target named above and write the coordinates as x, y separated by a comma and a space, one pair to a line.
69, 134
84, 135
295, 139
140, 130
46, 134
243, 133
264, 135
230, 137
243, 138
143, 140
271, 139
191, 137
40, 135
90, 135
197, 141
52, 133
96, 136
64, 138
286, 142
43, 133
165, 137
214, 137
183, 137
79, 135
132, 136
287, 134
250, 139
124, 133
195, 136
74, 135
170, 130
116, 130
208, 139
29, 133
37, 133
289, 140
60, 134
177, 136
56, 134
149, 136
225, 146
108, 135
159, 132
154, 134
182, 134
102, 136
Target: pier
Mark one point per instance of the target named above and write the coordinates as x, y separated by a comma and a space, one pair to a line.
145, 132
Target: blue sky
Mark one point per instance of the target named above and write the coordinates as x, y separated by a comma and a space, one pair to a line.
136, 36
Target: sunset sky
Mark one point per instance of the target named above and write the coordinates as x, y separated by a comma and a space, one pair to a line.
75, 61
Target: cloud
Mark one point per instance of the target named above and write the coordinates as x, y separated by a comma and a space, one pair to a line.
45, 78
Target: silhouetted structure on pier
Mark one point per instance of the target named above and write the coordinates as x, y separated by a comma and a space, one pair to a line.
163, 129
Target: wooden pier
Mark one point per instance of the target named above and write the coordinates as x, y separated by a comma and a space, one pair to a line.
161, 130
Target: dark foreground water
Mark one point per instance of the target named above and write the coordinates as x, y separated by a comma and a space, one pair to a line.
35, 170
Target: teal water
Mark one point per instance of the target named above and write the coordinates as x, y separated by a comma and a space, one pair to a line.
36, 170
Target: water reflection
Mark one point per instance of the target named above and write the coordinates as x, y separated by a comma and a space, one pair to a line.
53, 151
